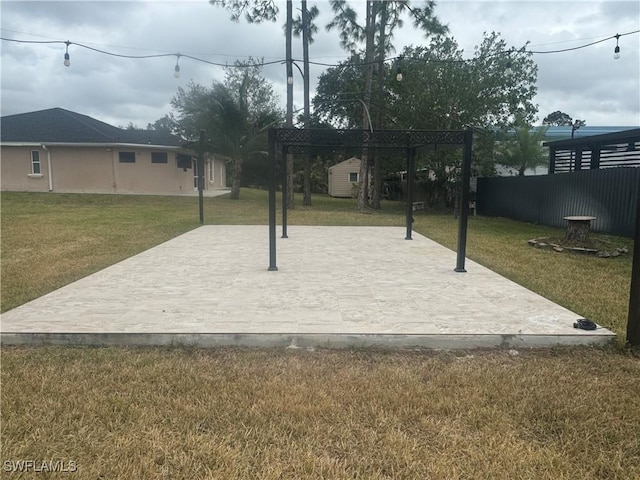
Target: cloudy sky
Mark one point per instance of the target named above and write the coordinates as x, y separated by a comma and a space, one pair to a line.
585, 83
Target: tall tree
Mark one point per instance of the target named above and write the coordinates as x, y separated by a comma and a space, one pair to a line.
442, 90
257, 11
381, 18
559, 118
234, 114
165, 124
304, 26
254, 11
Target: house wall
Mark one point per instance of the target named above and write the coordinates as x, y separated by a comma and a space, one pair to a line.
219, 168
99, 170
339, 184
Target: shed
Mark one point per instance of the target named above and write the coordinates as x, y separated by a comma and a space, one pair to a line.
343, 176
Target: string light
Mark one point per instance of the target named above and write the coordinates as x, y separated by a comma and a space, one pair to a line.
176, 71
399, 70
290, 72
67, 62
289, 77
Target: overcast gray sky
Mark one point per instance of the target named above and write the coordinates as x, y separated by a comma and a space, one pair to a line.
586, 83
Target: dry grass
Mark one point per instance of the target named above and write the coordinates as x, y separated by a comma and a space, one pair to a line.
240, 413
597, 288
244, 414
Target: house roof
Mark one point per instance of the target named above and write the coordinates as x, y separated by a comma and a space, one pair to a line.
624, 136
564, 131
57, 125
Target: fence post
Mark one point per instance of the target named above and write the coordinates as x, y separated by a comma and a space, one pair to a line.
633, 323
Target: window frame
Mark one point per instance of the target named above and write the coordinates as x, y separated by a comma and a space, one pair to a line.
35, 162
164, 159
122, 159
357, 174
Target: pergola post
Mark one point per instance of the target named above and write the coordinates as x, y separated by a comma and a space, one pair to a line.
411, 167
285, 194
272, 199
464, 200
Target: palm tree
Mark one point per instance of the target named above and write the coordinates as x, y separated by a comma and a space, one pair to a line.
525, 150
235, 116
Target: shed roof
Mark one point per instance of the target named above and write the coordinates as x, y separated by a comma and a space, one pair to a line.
352, 160
57, 125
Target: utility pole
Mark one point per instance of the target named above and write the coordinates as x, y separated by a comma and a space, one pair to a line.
307, 123
289, 119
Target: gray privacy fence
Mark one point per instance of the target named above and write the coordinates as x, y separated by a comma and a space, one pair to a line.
608, 194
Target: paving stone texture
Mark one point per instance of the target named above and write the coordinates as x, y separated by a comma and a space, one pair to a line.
335, 287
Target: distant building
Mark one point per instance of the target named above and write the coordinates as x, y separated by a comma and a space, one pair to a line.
57, 150
344, 178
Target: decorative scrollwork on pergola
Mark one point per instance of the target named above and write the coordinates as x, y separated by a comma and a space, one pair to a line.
349, 138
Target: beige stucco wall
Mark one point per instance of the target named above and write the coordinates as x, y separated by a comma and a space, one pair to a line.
339, 184
98, 170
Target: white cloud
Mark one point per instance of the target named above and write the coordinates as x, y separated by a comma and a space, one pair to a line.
585, 83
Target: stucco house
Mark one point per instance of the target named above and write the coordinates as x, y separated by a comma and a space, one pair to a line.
343, 176
57, 150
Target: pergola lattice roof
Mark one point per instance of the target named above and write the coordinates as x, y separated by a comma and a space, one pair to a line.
295, 140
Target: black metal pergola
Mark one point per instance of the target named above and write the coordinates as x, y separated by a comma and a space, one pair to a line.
283, 141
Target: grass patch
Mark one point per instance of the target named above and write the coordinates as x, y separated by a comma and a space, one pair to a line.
242, 413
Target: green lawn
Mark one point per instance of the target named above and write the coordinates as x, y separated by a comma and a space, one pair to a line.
186, 413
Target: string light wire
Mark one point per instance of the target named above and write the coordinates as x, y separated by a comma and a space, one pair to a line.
311, 62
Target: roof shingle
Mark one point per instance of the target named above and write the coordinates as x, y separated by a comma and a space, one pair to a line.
58, 125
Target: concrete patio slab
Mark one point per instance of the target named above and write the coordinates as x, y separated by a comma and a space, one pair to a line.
335, 287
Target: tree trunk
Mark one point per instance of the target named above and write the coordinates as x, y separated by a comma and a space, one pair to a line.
306, 200
236, 172
363, 191
289, 119
578, 231
382, 38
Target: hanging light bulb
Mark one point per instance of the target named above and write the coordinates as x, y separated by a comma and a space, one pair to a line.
176, 71
67, 62
399, 69
616, 51
290, 72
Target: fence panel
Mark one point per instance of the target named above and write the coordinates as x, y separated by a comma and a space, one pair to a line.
608, 194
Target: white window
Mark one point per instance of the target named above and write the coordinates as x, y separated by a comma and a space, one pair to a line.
35, 163
211, 170
353, 177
